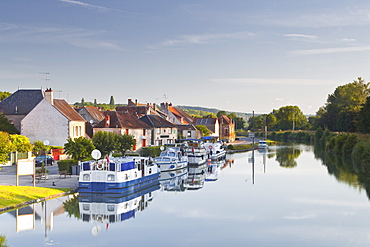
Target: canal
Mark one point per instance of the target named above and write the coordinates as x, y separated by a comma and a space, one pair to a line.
285, 196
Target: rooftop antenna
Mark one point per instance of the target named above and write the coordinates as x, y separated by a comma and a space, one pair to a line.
46, 79
58, 91
165, 97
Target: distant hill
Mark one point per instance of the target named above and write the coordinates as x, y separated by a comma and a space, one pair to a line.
214, 110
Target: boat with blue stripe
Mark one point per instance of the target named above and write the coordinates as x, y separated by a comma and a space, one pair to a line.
117, 175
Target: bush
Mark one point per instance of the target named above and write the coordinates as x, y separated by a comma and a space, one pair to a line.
150, 151
66, 165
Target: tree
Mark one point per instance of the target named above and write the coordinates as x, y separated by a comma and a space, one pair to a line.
79, 148
221, 113
364, 118
289, 118
82, 101
342, 107
126, 142
7, 126
203, 130
39, 147
210, 115
21, 143
105, 142
6, 147
111, 101
4, 95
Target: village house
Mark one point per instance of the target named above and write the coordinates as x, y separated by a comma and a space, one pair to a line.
211, 123
125, 123
19, 104
93, 115
183, 121
53, 120
227, 128
164, 132
139, 110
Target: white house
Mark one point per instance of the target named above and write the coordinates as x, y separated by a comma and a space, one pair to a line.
53, 120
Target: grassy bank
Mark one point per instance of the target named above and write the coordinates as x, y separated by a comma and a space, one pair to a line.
11, 196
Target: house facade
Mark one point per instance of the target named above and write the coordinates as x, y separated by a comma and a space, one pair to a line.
211, 123
227, 128
163, 131
125, 123
53, 120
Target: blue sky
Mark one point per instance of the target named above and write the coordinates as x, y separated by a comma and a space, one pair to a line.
235, 55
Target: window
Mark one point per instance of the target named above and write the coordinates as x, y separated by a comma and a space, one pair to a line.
144, 130
110, 177
86, 177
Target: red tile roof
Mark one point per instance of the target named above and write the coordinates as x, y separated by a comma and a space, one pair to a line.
67, 110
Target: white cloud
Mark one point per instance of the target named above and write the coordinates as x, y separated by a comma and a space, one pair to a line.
301, 36
82, 4
206, 38
328, 50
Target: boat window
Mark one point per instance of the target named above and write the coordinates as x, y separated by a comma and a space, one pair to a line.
171, 154
150, 170
110, 177
86, 207
110, 208
86, 177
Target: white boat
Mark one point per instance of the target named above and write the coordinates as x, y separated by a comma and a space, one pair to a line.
262, 144
173, 158
174, 180
215, 150
196, 151
196, 177
123, 175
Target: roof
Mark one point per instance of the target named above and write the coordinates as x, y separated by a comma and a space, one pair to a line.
136, 110
95, 112
21, 102
157, 121
180, 114
205, 121
186, 127
225, 120
120, 119
67, 110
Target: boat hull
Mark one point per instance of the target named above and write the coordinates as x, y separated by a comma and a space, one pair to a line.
171, 166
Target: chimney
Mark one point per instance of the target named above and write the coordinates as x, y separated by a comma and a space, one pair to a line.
136, 102
49, 95
107, 121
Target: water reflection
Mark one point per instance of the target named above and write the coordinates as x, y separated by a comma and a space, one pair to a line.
174, 180
287, 155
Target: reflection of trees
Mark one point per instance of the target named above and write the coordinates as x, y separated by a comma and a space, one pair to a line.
3, 241
343, 169
72, 208
286, 156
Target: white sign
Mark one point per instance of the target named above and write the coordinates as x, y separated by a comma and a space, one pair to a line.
25, 167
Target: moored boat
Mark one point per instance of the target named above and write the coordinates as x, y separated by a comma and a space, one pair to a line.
215, 150
118, 175
196, 152
173, 158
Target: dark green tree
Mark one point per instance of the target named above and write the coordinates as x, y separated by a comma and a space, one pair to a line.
203, 130
105, 142
39, 147
126, 142
363, 125
79, 148
6, 125
111, 101
221, 113
289, 118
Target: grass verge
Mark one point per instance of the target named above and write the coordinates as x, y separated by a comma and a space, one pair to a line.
11, 196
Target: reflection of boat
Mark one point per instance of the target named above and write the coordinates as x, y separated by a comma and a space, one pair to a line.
215, 150
213, 170
118, 175
108, 208
172, 158
197, 154
262, 144
196, 177
173, 180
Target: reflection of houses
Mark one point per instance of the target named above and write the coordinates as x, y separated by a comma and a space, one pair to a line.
126, 124
53, 120
183, 121
163, 131
19, 104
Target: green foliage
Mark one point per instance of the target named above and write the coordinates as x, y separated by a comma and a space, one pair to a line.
361, 157
106, 142
6, 147
39, 147
66, 165
111, 101
203, 130
21, 143
7, 126
126, 142
287, 156
3, 241
343, 106
79, 148
150, 151
363, 125
72, 207
4, 95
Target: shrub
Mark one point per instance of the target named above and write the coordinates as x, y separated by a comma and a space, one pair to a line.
66, 165
150, 151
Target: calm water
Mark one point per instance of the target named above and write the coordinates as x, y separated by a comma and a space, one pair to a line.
286, 197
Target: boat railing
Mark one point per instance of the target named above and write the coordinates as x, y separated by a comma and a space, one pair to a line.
107, 166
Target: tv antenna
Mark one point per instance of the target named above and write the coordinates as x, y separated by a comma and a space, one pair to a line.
58, 91
46, 79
